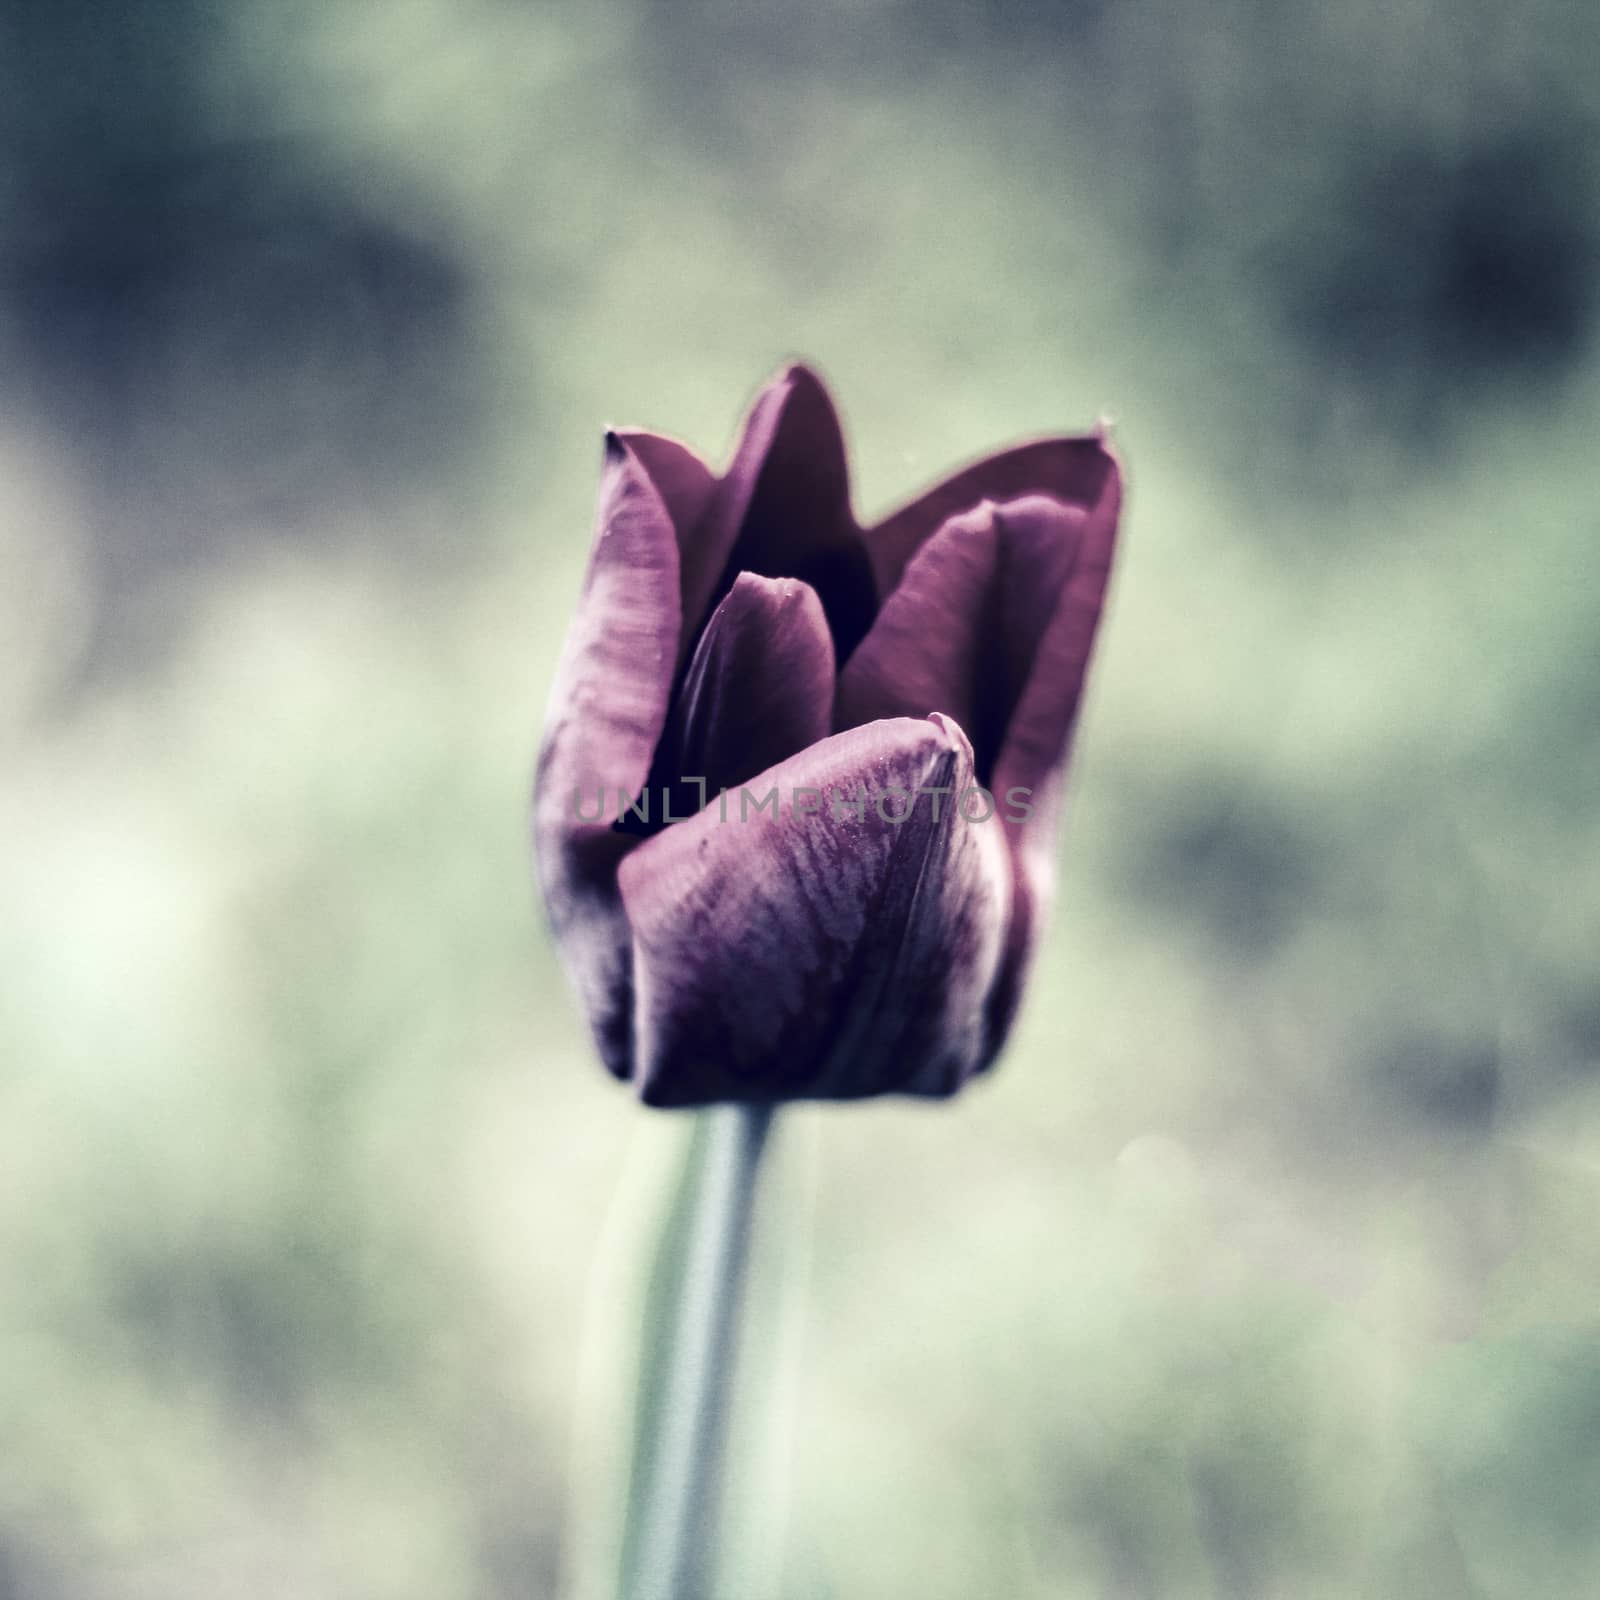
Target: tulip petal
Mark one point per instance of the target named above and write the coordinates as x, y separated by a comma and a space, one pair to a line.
821, 955
782, 510
1051, 675
1024, 647
960, 630
1073, 470
607, 711
923, 652
1038, 741
684, 482
759, 689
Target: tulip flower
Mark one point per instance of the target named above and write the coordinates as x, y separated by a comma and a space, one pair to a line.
743, 636
795, 815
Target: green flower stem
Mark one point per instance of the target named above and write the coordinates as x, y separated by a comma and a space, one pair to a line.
678, 1505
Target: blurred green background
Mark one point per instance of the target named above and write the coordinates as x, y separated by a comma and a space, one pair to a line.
1268, 1262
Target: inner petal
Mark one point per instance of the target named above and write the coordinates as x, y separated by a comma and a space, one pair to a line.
961, 630
924, 651
758, 689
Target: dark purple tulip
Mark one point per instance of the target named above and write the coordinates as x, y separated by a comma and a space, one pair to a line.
747, 631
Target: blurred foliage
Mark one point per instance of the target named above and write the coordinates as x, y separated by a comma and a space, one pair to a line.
1266, 1264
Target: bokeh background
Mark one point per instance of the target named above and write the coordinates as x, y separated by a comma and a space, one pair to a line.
1268, 1264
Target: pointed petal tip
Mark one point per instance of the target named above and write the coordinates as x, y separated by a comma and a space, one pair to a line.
796, 380
643, 443
798, 371
955, 736
799, 380
1105, 435
618, 449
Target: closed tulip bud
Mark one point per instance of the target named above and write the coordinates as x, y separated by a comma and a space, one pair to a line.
795, 807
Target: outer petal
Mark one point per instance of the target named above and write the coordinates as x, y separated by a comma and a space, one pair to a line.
759, 689
1038, 739
1039, 728
782, 510
821, 956
685, 484
1073, 470
607, 711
